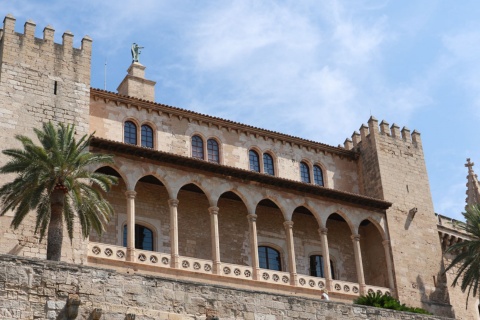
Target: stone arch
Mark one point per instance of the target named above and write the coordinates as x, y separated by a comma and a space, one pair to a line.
118, 172
151, 206
116, 197
233, 229
341, 246
197, 184
305, 236
270, 227
345, 217
373, 253
155, 175
194, 227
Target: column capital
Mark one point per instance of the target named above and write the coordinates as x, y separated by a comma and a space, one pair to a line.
130, 194
173, 202
252, 217
355, 237
386, 242
213, 210
322, 231
288, 224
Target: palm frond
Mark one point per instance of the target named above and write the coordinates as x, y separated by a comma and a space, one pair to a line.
58, 161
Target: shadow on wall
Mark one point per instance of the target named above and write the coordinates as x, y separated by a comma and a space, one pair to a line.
438, 300
16, 250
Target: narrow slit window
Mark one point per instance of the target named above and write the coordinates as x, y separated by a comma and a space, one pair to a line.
55, 87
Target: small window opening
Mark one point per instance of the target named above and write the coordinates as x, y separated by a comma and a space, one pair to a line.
55, 87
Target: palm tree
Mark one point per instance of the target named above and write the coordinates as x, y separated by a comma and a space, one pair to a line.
467, 253
54, 179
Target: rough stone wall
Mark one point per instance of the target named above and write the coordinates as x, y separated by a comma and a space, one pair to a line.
404, 181
37, 289
173, 134
458, 299
40, 81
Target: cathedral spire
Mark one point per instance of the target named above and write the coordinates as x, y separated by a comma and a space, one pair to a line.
473, 187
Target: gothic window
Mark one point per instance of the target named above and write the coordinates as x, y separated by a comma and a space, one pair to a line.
213, 151
143, 237
304, 172
316, 267
254, 161
268, 164
197, 147
130, 133
317, 175
269, 258
147, 136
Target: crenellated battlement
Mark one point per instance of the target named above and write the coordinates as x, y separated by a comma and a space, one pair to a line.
7, 34
41, 80
383, 129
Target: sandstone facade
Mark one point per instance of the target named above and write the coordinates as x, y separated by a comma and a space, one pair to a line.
369, 220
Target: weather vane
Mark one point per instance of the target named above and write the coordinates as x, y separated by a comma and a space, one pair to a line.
136, 52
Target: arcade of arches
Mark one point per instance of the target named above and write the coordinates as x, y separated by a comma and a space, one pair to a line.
182, 214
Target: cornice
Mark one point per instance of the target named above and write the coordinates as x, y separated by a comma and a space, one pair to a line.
191, 116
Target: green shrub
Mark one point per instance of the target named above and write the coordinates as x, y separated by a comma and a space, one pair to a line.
379, 300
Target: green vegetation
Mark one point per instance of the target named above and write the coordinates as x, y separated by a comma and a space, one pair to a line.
54, 179
467, 253
387, 302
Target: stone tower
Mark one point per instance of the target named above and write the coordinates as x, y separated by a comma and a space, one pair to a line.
40, 81
392, 167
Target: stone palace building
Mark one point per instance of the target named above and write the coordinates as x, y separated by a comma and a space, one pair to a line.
219, 204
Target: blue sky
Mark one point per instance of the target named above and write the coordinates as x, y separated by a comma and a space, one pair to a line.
314, 69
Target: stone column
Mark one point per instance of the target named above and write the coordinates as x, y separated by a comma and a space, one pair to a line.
215, 239
174, 256
358, 262
326, 258
388, 257
291, 252
130, 225
252, 228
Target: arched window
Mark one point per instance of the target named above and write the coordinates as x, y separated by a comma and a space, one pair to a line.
147, 136
213, 151
254, 161
130, 132
143, 237
197, 147
304, 172
316, 267
269, 258
268, 164
317, 176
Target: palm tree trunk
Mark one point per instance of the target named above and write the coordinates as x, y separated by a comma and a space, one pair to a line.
55, 227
